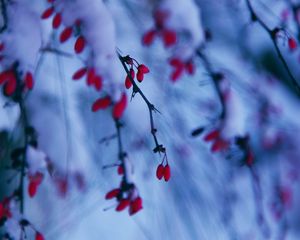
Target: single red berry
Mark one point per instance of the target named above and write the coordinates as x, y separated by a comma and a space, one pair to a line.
120, 106
160, 171
34, 182
169, 37
112, 194
10, 86
32, 189
135, 206
90, 76
6, 75
149, 37
65, 34
212, 135
178, 66
120, 170
124, 203
144, 69
167, 173
140, 76
128, 82
28, 80
56, 21
97, 82
292, 44
79, 73
47, 13
101, 103
39, 236
79, 44
176, 62
176, 74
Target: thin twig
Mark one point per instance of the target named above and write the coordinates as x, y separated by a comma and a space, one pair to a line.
4, 15
272, 34
121, 153
216, 77
158, 147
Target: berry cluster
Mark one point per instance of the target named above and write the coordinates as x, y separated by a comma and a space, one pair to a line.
126, 196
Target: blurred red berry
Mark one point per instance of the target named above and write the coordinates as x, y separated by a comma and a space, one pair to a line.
160, 171
65, 34
167, 173
56, 21
47, 13
112, 194
120, 106
101, 103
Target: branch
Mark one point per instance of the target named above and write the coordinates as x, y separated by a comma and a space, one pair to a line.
4, 15
216, 77
272, 34
121, 153
24, 120
158, 147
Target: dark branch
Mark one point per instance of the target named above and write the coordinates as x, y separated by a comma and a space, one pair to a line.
158, 147
272, 34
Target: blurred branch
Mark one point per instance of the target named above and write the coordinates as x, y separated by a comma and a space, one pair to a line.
272, 34
158, 147
56, 51
216, 77
122, 154
261, 221
4, 16
295, 9
24, 120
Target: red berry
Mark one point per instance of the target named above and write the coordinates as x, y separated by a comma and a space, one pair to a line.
120, 170
176, 74
90, 76
160, 171
56, 21
169, 37
112, 194
6, 75
120, 106
47, 13
34, 182
98, 82
101, 103
142, 68
135, 206
292, 44
149, 37
167, 173
29, 82
128, 82
65, 34
140, 76
122, 205
39, 236
79, 44
79, 73
212, 135
32, 189
10, 86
